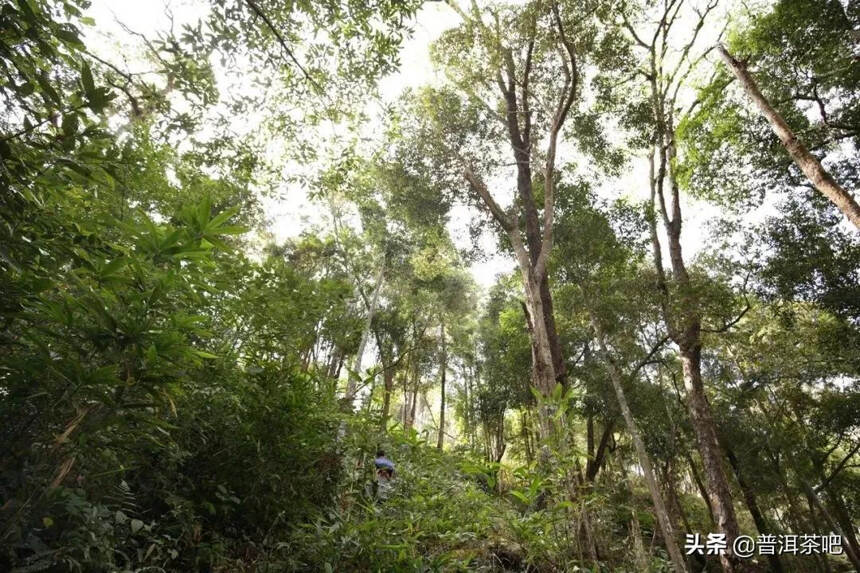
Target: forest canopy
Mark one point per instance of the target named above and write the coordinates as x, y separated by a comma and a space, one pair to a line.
417, 285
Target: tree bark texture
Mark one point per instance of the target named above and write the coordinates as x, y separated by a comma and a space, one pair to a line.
706, 437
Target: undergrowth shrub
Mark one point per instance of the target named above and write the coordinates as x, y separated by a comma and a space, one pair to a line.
140, 428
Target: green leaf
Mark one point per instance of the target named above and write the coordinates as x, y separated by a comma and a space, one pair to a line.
136, 525
87, 79
70, 124
98, 99
520, 496
204, 209
220, 219
231, 230
69, 36
113, 266
46, 86
206, 355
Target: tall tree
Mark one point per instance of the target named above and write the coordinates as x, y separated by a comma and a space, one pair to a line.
530, 62
682, 307
602, 275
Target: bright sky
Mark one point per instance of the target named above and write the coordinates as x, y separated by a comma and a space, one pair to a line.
292, 211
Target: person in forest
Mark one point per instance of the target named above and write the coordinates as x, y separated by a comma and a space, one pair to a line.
384, 466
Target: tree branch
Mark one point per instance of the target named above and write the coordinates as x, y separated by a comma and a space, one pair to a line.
838, 468
256, 8
571, 84
481, 189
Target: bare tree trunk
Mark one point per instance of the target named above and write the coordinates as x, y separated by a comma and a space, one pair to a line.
684, 327
501, 444
592, 467
552, 332
674, 502
405, 408
761, 523
640, 557
365, 335
828, 487
709, 447
808, 163
589, 441
543, 368
469, 396
813, 498
334, 362
538, 302
339, 367
444, 367
527, 442
843, 518
586, 528
409, 402
700, 485
644, 460
388, 386
414, 402
513, 84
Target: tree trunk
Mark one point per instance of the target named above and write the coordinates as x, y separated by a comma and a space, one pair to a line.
552, 332
592, 467
798, 523
706, 437
700, 485
808, 163
414, 401
469, 396
813, 498
823, 565
640, 557
842, 518
683, 323
586, 528
365, 335
520, 141
339, 367
543, 369
527, 442
675, 502
828, 487
332, 362
761, 523
644, 460
443, 367
406, 393
388, 387
589, 441
409, 402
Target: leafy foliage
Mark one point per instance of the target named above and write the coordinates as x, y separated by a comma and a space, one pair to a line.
172, 382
